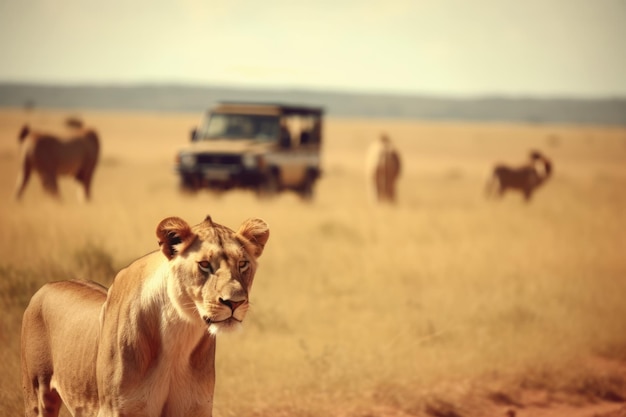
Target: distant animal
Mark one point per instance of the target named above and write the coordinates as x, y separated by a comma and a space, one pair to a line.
145, 347
74, 122
525, 179
383, 168
51, 157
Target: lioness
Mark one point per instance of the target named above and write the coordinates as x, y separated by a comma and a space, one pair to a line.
51, 156
146, 347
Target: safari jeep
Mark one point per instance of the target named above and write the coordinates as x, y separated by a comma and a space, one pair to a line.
265, 147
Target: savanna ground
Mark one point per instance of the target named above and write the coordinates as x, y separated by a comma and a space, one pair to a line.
448, 304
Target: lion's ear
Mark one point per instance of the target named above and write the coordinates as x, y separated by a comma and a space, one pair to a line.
255, 233
174, 236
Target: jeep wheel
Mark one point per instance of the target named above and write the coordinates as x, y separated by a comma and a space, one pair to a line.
269, 187
189, 184
307, 188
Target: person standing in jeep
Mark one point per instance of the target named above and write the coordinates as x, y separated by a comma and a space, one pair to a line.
266, 147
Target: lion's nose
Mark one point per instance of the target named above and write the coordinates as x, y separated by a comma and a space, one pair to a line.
232, 304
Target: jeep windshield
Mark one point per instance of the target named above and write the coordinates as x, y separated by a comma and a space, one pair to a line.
239, 127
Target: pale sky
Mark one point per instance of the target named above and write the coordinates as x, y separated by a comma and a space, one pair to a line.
451, 47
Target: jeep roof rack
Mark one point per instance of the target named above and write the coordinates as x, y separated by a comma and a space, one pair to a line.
266, 108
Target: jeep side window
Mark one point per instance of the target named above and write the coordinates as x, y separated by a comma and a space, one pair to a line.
310, 132
285, 136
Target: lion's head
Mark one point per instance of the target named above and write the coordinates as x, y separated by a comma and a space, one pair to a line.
211, 268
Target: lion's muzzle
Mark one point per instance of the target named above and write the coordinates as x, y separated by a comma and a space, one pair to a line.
232, 304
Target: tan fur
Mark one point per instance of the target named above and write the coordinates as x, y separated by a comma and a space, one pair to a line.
51, 157
146, 347
525, 179
383, 169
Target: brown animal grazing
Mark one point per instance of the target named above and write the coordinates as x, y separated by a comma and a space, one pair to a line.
525, 179
51, 157
383, 169
147, 346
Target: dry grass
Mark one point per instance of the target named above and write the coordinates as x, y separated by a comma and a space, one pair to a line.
358, 308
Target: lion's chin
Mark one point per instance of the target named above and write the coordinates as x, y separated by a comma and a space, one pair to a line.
228, 325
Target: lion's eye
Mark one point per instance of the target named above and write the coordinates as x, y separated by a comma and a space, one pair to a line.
205, 266
243, 266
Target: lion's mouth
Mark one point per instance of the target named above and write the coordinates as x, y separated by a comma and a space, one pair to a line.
209, 321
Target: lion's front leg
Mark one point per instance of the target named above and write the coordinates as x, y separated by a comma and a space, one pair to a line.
22, 178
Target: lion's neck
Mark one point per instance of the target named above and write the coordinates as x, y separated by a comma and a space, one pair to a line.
177, 327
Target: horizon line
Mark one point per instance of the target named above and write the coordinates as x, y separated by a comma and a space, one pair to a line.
318, 90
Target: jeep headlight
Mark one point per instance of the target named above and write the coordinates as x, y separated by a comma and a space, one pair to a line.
249, 161
187, 159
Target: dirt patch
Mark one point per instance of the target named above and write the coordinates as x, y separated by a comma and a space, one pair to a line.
601, 394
